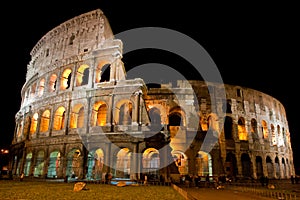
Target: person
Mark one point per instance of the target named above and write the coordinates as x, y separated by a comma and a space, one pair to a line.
207, 180
22, 177
292, 179
106, 178
145, 180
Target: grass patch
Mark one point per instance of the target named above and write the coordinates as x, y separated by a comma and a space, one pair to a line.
10, 189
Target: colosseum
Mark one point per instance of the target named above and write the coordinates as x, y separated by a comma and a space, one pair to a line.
80, 117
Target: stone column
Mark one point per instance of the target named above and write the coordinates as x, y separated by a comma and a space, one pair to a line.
134, 165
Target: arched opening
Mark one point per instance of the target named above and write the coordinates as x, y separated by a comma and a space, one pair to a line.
274, 137
277, 168
59, 118
105, 73
203, 164
155, 119
52, 83
123, 114
242, 133
269, 167
41, 87
54, 165
181, 161
259, 166
151, 163
122, 163
39, 164
65, 81
264, 129
77, 116
33, 124
254, 132
82, 75
95, 164
45, 120
246, 165
231, 165
99, 114
283, 167
228, 128
27, 164
74, 163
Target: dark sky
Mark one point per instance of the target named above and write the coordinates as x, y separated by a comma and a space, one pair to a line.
253, 45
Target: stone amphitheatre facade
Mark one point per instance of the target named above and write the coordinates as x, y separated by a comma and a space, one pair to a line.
81, 117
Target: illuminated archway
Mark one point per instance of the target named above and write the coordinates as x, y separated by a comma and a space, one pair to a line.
74, 161
54, 164
27, 164
59, 118
181, 161
122, 163
95, 164
203, 164
39, 164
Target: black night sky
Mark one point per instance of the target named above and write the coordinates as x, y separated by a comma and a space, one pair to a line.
253, 45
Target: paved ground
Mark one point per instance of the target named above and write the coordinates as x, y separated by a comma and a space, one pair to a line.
224, 194
236, 192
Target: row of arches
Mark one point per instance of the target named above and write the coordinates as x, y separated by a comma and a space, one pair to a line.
95, 163
82, 77
279, 136
257, 166
72, 164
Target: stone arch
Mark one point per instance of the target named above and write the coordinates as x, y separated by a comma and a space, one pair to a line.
181, 161
59, 118
65, 80
74, 163
27, 165
41, 88
284, 168
45, 121
279, 136
259, 166
151, 161
277, 167
265, 132
177, 116
82, 75
228, 128
246, 165
99, 114
270, 168
253, 129
231, 165
102, 71
34, 123
122, 163
52, 83
203, 164
123, 112
212, 122
39, 164
242, 132
77, 116
54, 164
273, 134
95, 164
